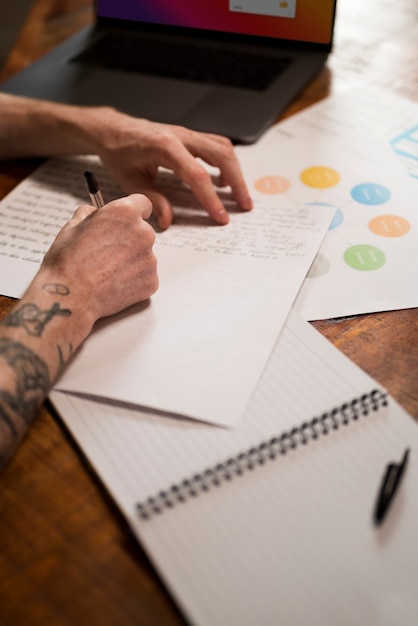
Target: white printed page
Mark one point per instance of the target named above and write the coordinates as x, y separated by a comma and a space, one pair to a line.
32, 214
331, 155
198, 347
396, 121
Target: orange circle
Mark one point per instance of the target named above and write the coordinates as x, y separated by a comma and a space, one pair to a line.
389, 226
272, 185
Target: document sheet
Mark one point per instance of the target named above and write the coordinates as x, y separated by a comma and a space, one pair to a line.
352, 151
199, 345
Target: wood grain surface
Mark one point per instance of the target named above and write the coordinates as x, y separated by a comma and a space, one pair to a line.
67, 557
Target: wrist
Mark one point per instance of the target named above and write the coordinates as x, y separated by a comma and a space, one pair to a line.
54, 317
52, 129
85, 128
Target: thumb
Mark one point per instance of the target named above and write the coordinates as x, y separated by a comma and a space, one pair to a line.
81, 213
78, 216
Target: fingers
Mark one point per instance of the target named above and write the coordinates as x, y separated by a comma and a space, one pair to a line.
200, 182
137, 201
140, 147
82, 212
203, 190
134, 202
162, 207
78, 216
159, 205
216, 151
179, 149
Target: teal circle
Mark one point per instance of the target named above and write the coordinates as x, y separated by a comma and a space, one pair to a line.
364, 257
371, 194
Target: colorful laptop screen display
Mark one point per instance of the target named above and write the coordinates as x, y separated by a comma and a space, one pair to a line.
298, 20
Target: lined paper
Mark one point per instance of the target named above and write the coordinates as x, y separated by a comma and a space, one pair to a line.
292, 538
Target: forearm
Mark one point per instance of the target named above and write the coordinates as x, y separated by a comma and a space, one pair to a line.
36, 340
100, 263
37, 128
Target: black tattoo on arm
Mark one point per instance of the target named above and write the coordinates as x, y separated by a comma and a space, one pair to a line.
32, 378
27, 380
62, 361
20, 401
33, 319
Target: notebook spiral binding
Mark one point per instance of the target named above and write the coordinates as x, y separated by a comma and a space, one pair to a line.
259, 455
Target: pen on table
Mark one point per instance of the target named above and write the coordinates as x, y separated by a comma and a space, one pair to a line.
94, 190
389, 486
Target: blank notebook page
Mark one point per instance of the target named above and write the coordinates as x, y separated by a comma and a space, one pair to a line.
289, 539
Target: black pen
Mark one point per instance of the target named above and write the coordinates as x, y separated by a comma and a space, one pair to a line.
94, 190
390, 483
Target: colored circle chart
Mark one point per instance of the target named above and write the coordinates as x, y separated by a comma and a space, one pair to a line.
272, 185
389, 226
320, 177
370, 194
364, 257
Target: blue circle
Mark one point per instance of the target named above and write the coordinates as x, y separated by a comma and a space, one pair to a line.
371, 194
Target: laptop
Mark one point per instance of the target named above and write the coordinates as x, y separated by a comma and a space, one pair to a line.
224, 66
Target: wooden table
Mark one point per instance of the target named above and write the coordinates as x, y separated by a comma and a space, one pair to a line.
66, 555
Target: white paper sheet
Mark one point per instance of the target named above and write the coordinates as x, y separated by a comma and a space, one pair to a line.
331, 154
393, 117
34, 211
305, 374
199, 346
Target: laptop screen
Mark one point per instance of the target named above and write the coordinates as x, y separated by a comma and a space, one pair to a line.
308, 21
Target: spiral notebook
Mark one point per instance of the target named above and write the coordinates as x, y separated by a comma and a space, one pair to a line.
270, 522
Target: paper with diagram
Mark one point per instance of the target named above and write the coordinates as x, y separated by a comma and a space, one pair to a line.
332, 155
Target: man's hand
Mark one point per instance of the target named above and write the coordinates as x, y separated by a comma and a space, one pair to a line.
133, 149
105, 256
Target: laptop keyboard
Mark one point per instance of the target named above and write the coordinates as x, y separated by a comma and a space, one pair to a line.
182, 61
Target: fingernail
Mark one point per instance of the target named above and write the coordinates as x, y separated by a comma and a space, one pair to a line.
222, 216
248, 204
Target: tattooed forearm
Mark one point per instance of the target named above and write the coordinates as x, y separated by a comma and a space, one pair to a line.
31, 380
33, 319
25, 378
21, 393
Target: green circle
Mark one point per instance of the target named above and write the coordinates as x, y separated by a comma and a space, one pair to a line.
364, 257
